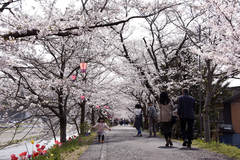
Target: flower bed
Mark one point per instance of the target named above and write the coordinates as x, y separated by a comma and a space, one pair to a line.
56, 151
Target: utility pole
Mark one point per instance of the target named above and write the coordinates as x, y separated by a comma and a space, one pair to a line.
200, 89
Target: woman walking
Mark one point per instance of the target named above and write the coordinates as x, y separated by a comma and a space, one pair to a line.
138, 119
166, 117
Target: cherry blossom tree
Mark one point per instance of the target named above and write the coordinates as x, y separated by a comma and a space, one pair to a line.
218, 49
41, 49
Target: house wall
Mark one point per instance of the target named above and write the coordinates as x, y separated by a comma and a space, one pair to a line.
235, 112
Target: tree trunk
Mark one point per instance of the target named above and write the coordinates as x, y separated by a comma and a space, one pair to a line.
93, 117
63, 129
146, 122
82, 112
82, 128
145, 115
63, 117
216, 130
207, 118
77, 127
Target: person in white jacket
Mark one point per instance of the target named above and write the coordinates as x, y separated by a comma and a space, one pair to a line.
138, 119
101, 126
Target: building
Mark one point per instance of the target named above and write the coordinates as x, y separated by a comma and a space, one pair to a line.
229, 129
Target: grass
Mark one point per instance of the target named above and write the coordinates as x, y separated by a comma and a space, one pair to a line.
227, 150
71, 150
76, 152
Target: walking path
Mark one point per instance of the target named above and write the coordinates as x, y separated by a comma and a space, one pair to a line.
122, 144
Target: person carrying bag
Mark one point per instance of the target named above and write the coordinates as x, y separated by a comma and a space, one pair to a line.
166, 117
138, 119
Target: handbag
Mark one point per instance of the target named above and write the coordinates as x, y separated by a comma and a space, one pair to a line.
154, 119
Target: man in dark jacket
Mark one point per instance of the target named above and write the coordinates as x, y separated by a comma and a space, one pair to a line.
185, 113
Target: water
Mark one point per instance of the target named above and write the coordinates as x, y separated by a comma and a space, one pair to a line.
5, 154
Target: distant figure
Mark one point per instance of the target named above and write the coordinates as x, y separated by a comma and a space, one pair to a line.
166, 117
185, 113
101, 126
152, 116
127, 122
121, 122
124, 121
138, 119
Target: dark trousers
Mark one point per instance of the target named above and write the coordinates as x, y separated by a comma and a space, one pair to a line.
152, 127
167, 135
99, 136
189, 123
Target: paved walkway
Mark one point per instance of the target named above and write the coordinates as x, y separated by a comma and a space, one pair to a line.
122, 144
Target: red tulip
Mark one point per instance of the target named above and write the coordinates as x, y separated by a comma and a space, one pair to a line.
35, 154
44, 152
79, 138
37, 145
43, 147
69, 138
25, 153
39, 150
74, 136
14, 157
58, 143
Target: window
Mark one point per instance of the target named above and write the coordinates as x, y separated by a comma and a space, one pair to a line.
220, 115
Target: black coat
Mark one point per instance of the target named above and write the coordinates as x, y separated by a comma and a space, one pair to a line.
138, 121
186, 106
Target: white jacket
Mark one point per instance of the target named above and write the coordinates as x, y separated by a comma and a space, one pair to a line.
137, 111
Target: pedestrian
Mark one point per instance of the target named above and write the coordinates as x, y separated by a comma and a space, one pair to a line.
101, 126
185, 113
138, 113
127, 122
165, 106
124, 121
121, 122
152, 116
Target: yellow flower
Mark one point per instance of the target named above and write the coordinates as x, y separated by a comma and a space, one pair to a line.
51, 154
32, 141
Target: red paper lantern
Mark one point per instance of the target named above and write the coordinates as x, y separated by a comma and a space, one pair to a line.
82, 97
73, 77
83, 67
